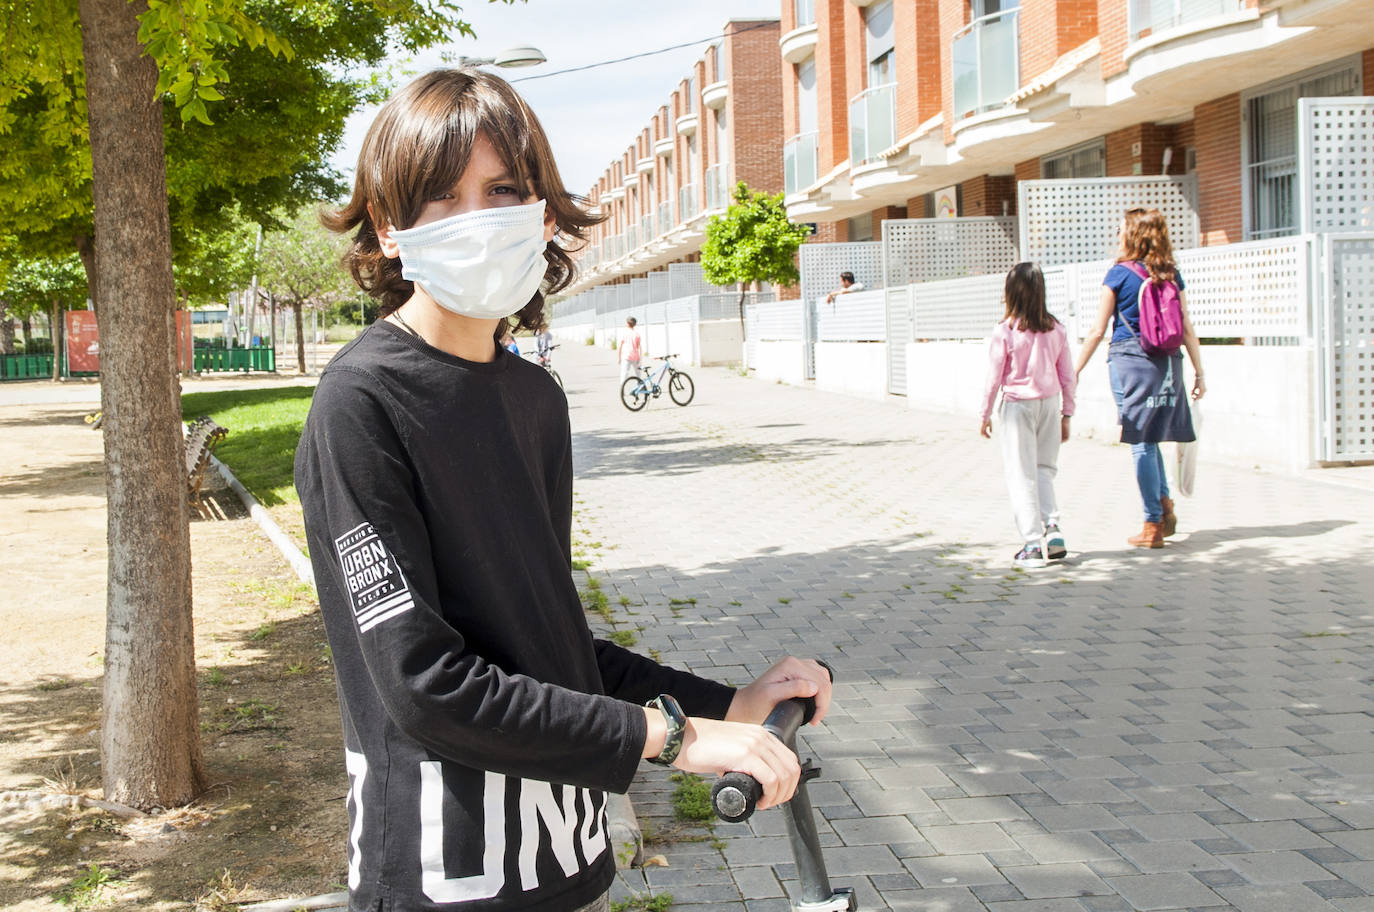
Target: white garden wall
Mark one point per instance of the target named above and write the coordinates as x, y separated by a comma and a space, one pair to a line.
855, 368
1257, 411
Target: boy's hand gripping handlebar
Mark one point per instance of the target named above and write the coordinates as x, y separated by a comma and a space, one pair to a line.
735, 796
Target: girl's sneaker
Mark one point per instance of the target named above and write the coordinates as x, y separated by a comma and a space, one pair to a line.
1055, 549
1029, 556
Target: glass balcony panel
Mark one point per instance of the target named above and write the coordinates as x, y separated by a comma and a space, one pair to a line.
964, 64
1150, 16
985, 62
858, 131
806, 12
808, 159
665, 217
872, 123
882, 119
799, 162
687, 206
999, 68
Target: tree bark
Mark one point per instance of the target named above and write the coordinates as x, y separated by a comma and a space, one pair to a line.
85, 246
743, 333
150, 743
298, 312
57, 327
26, 327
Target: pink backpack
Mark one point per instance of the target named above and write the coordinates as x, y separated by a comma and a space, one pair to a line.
1161, 314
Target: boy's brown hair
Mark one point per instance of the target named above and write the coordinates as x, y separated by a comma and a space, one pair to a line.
419, 146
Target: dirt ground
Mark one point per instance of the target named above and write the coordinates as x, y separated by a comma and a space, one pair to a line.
272, 822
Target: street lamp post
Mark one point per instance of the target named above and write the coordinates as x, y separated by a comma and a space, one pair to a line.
510, 57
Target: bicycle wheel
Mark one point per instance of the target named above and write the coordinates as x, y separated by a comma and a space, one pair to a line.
681, 388
634, 394
556, 379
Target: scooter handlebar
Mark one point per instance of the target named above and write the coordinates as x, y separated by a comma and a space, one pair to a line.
735, 795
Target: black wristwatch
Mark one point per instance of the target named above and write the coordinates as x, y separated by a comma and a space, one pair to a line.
677, 726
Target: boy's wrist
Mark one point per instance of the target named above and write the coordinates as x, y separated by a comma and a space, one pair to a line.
656, 732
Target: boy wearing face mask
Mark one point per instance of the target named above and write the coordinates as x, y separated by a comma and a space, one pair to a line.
482, 723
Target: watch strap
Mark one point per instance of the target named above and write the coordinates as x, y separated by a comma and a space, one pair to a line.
677, 727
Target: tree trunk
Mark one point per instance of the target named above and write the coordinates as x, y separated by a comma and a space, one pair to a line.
6, 330
298, 312
26, 326
57, 328
85, 246
743, 333
150, 744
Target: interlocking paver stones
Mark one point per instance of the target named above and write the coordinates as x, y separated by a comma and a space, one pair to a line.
1142, 716
1164, 891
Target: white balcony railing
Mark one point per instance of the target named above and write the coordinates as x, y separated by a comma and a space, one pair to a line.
665, 217
799, 162
717, 188
687, 205
872, 123
986, 63
631, 238
1148, 17
646, 229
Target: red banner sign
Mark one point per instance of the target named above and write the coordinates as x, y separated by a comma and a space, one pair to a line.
83, 341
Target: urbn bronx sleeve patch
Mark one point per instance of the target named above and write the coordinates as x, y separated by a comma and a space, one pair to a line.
376, 586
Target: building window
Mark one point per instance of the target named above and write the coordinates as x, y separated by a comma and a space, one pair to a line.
881, 41
1087, 160
1269, 134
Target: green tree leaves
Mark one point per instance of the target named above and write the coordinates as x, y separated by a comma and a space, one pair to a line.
752, 242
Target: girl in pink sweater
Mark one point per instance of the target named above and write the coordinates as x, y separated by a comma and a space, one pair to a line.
1029, 361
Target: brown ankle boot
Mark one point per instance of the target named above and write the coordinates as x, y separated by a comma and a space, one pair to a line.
1152, 536
1168, 521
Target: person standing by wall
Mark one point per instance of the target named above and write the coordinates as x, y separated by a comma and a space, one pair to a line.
1029, 362
1148, 387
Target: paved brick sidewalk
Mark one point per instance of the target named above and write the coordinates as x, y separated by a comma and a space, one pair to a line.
1182, 729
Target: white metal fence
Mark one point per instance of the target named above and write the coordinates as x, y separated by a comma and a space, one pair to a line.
927, 250
1076, 220
1345, 337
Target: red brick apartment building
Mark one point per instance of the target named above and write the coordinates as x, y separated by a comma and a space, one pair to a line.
889, 102
723, 124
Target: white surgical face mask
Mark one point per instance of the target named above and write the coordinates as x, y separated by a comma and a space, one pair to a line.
485, 264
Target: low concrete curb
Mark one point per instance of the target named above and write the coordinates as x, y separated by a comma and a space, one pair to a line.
298, 561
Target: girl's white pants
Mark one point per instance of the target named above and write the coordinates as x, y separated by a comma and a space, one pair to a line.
627, 368
1030, 457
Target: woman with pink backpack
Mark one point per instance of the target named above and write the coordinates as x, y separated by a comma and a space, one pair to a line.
1142, 295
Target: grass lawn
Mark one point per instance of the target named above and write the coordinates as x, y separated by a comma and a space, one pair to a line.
264, 427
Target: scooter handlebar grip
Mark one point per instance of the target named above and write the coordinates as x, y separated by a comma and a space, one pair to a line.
734, 797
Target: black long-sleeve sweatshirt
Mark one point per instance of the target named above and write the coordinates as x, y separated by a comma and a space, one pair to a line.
482, 722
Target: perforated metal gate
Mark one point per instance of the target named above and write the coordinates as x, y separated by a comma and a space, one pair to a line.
898, 335
821, 265
1345, 333
1336, 177
928, 250
1070, 221
1336, 162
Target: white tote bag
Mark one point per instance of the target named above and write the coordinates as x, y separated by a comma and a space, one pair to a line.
1185, 469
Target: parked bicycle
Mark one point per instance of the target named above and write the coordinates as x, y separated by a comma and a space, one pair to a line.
545, 360
637, 390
